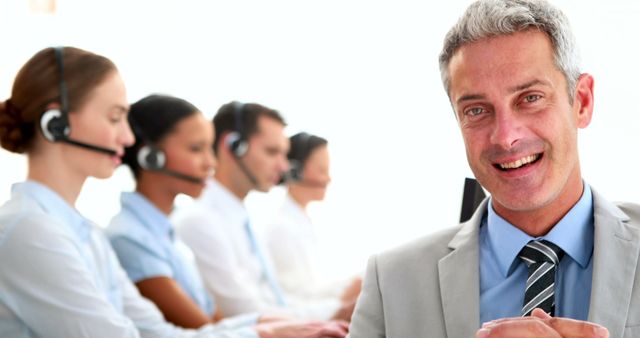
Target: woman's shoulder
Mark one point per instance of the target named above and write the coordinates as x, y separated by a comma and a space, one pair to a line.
22, 220
126, 230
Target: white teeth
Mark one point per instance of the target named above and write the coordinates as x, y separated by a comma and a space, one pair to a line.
519, 163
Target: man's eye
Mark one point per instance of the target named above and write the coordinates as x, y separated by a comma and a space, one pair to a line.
532, 98
474, 111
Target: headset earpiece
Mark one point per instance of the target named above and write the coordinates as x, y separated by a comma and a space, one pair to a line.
151, 158
236, 139
236, 144
293, 175
53, 125
295, 171
54, 122
300, 149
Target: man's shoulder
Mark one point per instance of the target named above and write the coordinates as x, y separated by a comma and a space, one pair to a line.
196, 213
630, 209
431, 247
198, 224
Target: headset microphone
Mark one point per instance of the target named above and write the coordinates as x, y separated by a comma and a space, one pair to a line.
247, 172
55, 129
90, 146
153, 159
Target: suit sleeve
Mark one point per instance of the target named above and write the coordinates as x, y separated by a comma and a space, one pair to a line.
368, 317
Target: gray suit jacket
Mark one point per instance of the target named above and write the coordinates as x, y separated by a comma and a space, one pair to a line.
430, 287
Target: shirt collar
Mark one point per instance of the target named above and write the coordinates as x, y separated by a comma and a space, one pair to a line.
573, 233
222, 199
53, 204
147, 213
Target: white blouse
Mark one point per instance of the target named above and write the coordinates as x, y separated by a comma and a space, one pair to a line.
293, 246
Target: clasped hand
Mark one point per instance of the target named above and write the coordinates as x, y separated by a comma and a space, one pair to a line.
541, 325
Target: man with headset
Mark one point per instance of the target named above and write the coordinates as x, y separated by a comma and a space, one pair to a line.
251, 150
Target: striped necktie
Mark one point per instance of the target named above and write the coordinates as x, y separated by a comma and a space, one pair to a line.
542, 257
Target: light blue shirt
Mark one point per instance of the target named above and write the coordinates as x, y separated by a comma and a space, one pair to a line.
144, 240
503, 275
59, 277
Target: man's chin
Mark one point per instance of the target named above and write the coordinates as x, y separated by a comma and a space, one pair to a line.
521, 202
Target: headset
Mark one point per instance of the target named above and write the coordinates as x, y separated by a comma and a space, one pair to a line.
296, 167
152, 158
294, 174
236, 140
238, 143
54, 123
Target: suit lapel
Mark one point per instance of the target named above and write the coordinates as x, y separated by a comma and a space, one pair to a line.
460, 281
616, 247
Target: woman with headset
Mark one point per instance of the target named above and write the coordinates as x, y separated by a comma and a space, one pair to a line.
291, 237
173, 154
59, 276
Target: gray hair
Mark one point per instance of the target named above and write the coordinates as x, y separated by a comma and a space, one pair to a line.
487, 18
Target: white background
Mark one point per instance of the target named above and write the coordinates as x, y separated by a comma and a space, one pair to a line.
363, 74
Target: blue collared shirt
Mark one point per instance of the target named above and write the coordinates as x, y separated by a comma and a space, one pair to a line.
503, 275
144, 241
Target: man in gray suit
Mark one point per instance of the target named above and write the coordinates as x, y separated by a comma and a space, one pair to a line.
545, 255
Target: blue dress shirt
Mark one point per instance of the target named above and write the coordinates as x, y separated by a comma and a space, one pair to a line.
144, 240
503, 275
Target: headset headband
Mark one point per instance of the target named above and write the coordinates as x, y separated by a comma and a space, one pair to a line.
238, 110
63, 87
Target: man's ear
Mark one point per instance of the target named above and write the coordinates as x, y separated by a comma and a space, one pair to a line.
583, 100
